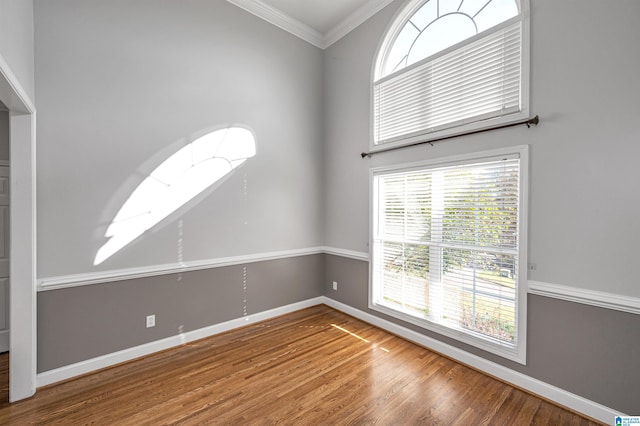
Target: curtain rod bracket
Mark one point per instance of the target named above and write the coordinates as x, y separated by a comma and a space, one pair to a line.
535, 120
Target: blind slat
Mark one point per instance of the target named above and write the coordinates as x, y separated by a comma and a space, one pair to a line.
445, 245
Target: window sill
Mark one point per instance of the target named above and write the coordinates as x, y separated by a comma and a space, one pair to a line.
503, 350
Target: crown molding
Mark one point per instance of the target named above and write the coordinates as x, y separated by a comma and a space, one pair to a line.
281, 20
354, 20
305, 32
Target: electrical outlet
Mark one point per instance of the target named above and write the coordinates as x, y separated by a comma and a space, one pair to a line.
532, 266
151, 321
335, 285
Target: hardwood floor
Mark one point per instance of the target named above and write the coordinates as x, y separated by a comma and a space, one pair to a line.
312, 367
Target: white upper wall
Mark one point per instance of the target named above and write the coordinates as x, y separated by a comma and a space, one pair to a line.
584, 197
16, 40
123, 84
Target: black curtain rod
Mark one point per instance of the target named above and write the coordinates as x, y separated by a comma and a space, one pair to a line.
535, 120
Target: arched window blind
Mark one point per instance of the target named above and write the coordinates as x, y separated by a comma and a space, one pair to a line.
449, 66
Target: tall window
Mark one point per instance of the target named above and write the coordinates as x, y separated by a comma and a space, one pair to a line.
447, 245
449, 66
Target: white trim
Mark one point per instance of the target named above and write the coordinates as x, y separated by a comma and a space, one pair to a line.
90, 278
400, 18
534, 386
77, 280
22, 262
12, 94
104, 361
572, 294
354, 20
600, 299
305, 32
519, 352
452, 160
351, 254
281, 20
22, 309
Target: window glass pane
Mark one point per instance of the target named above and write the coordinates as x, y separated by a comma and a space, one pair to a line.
397, 56
496, 11
405, 277
481, 206
439, 24
425, 15
448, 6
472, 7
479, 292
446, 246
406, 204
443, 33
476, 82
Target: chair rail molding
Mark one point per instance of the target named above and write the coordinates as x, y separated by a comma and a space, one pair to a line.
600, 299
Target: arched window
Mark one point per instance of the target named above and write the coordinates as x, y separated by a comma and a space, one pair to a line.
450, 66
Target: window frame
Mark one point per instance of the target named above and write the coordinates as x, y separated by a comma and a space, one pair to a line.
516, 352
394, 27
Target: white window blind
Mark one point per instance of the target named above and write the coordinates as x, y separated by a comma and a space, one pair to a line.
474, 82
445, 247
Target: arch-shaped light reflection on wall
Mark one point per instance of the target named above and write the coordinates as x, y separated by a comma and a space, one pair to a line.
175, 182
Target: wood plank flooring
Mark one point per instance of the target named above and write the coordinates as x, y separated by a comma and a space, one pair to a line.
312, 367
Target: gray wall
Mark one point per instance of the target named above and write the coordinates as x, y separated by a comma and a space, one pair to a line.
82, 323
16, 40
123, 84
584, 203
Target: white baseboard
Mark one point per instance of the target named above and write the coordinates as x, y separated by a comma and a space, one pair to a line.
4, 340
535, 386
90, 365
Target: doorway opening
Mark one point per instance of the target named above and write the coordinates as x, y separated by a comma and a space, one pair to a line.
22, 243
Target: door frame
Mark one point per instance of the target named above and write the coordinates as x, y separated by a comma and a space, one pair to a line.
22, 228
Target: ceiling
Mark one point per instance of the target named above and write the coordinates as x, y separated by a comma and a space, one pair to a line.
319, 22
